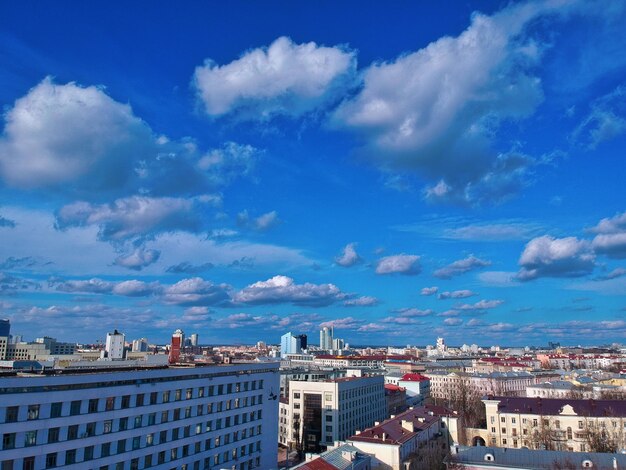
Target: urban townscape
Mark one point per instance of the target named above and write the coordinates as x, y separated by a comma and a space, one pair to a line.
315, 235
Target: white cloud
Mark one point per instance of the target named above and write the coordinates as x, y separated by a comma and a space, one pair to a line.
349, 256
133, 216
611, 236
347, 323
457, 294
135, 288
283, 289
493, 232
429, 290
435, 110
284, 78
556, 257
481, 305
196, 292
66, 134
614, 274
129, 288
606, 120
413, 312
498, 278
402, 264
138, 259
461, 267
365, 301
452, 321
260, 223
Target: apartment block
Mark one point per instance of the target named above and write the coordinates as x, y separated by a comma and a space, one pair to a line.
321, 413
203, 417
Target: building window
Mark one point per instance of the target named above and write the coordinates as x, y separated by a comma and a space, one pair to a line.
136, 442
176, 414
178, 394
90, 429
151, 419
147, 461
75, 408
11, 414
162, 437
166, 396
139, 400
93, 405
164, 416
70, 457
51, 460
149, 439
53, 435
33, 412
29, 463
105, 449
110, 404
121, 446
161, 457
189, 394
108, 426
8, 441
88, 455
134, 464
72, 432
154, 398
55, 409
30, 438
188, 412
123, 424
137, 423
125, 401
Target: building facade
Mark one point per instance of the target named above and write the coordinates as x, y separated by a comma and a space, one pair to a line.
321, 413
185, 418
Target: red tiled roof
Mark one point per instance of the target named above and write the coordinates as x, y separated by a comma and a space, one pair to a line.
393, 431
414, 378
318, 464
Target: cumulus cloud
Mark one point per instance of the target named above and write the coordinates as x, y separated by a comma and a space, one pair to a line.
196, 292
401, 264
133, 216
138, 259
457, 294
611, 237
556, 257
461, 267
188, 268
283, 289
365, 301
452, 321
129, 288
349, 256
284, 78
435, 110
60, 135
78, 142
429, 290
196, 314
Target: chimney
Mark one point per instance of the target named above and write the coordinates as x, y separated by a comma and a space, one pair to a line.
408, 425
384, 436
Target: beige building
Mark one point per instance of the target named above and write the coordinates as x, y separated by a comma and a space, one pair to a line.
554, 424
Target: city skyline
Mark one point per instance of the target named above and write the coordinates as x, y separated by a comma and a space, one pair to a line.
245, 170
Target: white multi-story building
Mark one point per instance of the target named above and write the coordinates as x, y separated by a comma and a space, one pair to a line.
114, 345
320, 413
290, 344
204, 417
326, 338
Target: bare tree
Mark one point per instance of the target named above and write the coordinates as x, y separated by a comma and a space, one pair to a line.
463, 398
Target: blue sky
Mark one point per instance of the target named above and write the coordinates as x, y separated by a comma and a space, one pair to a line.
245, 169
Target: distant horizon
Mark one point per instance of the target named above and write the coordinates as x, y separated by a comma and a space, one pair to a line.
445, 168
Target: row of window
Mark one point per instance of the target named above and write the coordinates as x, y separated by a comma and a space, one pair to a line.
56, 459
75, 406
30, 437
